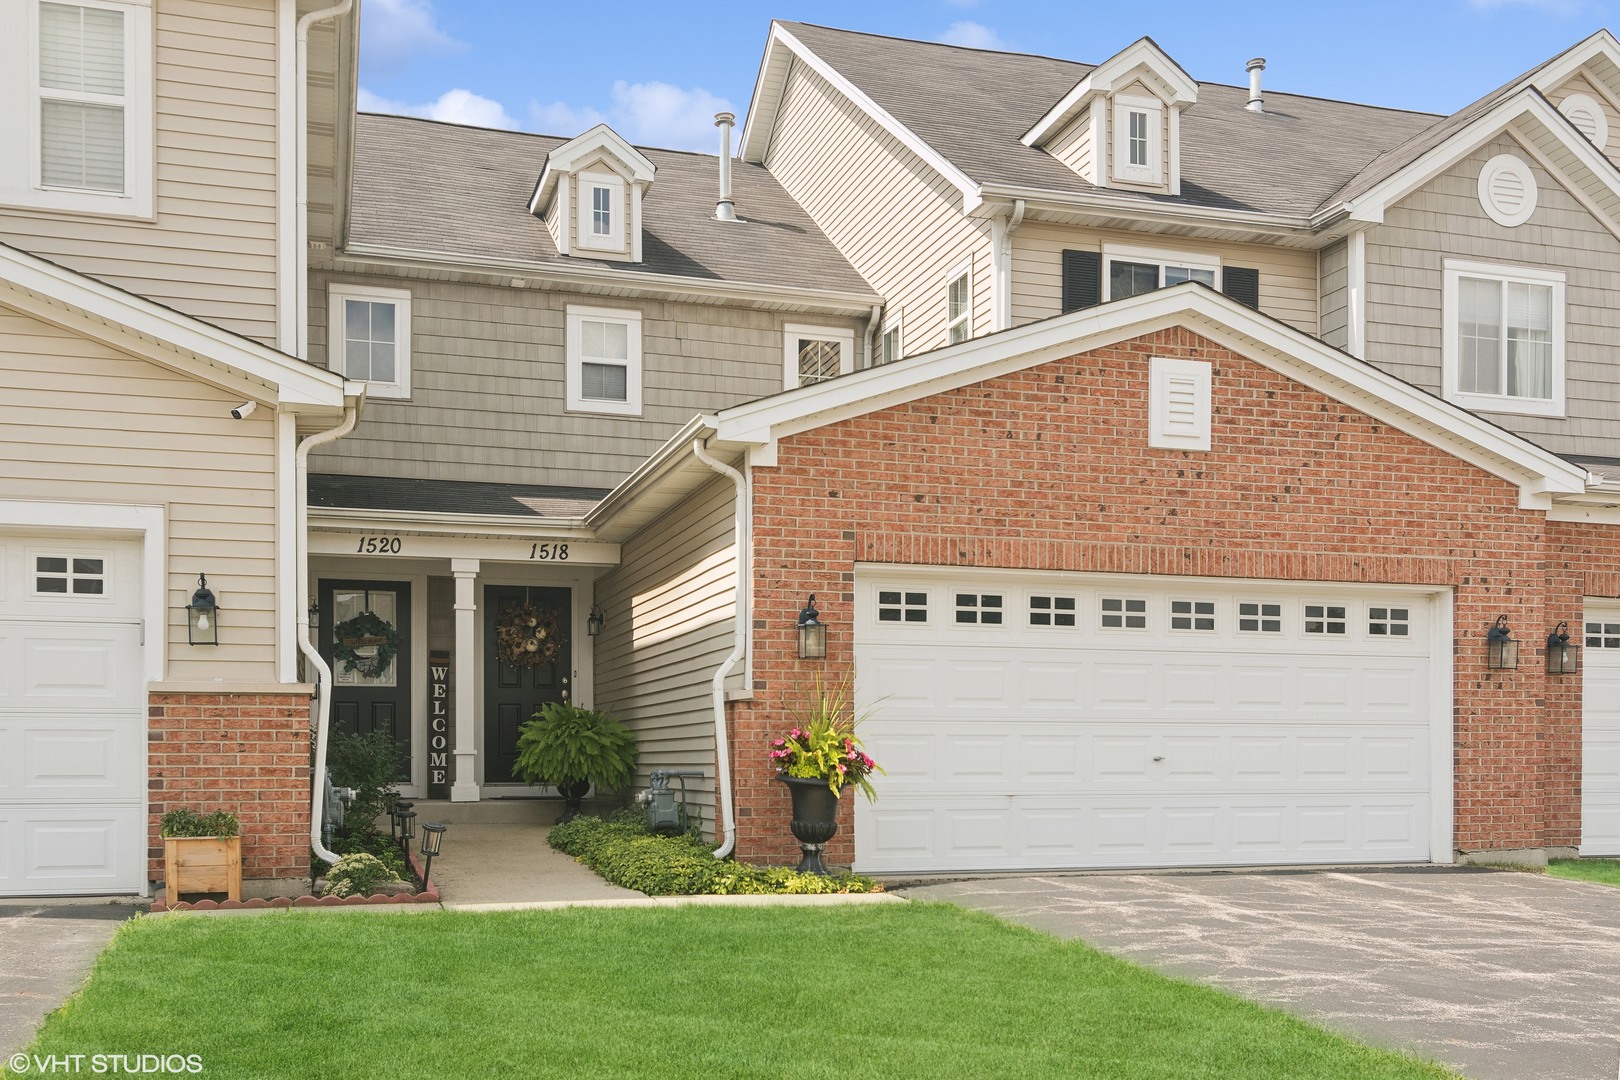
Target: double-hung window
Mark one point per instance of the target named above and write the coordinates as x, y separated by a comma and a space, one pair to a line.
80, 75
959, 305
813, 354
1504, 338
604, 360
370, 338
1131, 271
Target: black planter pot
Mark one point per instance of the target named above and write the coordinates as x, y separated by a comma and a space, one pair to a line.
815, 820
573, 793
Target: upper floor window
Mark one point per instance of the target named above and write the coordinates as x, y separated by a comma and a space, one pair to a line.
813, 354
604, 360
1138, 139
370, 338
601, 211
85, 73
959, 305
1504, 338
1131, 271
889, 348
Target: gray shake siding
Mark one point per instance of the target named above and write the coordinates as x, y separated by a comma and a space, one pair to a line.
487, 392
1333, 271
670, 609
1405, 277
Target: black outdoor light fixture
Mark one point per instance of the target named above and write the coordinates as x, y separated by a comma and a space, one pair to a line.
1563, 657
432, 838
400, 809
202, 615
593, 626
407, 830
812, 632
1501, 650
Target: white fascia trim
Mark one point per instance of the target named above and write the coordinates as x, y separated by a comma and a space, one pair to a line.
1554, 73
287, 547
1104, 79
343, 519
905, 136
127, 319
841, 303
675, 451
1280, 347
1128, 207
149, 523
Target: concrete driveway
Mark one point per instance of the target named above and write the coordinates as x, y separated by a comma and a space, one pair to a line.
46, 949
1500, 975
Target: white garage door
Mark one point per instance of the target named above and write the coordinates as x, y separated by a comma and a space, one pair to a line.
1051, 721
1600, 742
72, 717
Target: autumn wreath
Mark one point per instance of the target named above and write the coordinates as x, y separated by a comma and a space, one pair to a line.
366, 643
525, 636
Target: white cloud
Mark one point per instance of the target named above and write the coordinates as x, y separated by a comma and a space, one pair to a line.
649, 114
973, 35
456, 106
393, 31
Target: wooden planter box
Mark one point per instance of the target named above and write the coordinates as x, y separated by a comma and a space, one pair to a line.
202, 864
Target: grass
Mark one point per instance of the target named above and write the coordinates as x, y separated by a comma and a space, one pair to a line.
901, 990
1604, 871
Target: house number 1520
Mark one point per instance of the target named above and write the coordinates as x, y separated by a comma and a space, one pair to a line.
378, 545
548, 552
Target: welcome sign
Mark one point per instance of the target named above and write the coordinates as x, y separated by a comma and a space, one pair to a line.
438, 785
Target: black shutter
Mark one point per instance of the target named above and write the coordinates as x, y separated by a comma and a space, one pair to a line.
1242, 283
1082, 280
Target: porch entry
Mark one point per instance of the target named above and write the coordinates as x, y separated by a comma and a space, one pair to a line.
365, 635
514, 693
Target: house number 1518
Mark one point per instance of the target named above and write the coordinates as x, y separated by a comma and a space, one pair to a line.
548, 552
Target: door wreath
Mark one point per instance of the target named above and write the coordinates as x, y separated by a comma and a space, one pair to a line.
366, 643
526, 636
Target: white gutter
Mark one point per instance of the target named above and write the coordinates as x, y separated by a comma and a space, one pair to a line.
301, 244
722, 741
323, 681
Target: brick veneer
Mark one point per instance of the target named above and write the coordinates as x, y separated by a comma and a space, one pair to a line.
243, 752
1049, 469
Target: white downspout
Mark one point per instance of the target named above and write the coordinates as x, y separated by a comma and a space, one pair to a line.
323, 683
874, 324
301, 181
722, 739
1001, 254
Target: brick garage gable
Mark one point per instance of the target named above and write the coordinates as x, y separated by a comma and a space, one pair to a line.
1048, 468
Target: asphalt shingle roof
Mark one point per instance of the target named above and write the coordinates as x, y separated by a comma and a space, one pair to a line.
450, 496
421, 185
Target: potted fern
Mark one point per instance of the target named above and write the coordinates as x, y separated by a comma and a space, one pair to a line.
574, 750
202, 853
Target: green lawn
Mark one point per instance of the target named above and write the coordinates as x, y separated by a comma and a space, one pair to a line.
700, 992
1606, 871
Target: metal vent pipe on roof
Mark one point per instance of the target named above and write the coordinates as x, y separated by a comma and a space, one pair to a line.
1256, 66
723, 210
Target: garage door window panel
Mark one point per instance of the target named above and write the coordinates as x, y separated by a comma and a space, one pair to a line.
1124, 613
1603, 635
69, 575
983, 609
1052, 611
1259, 618
1328, 620
899, 606
1194, 615
1389, 622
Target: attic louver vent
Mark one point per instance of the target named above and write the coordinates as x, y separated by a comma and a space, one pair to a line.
1082, 280
1179, 404
1507, 190
1588, 117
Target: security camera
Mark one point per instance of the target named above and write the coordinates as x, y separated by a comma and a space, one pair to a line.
244, 410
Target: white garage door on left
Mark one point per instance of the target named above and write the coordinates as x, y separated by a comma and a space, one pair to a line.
72, 716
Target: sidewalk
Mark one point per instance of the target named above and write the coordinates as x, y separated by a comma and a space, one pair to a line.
513, 864
46, 949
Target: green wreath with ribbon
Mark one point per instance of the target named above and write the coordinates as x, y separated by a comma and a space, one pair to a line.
526, 636
366, 631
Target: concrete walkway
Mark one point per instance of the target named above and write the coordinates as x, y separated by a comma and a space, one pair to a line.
1502, 975
46, 949
513, 864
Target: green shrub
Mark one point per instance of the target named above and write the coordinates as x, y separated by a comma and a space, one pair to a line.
182, 821
358, 875
371, 765
626, 854
566, 744
381, 845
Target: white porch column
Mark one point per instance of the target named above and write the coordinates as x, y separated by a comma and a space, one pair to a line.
465, 788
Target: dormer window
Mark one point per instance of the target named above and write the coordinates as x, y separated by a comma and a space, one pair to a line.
1138, 139
601, 211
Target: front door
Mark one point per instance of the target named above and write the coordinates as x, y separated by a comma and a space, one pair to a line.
514, 692
366, 637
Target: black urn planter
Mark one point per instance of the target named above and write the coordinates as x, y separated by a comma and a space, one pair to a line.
573, 793
815, 820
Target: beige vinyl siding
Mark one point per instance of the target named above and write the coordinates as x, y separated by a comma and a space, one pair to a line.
1405, 280
1073, 145
671, 610
1288, 279
1333, 264
1581, 84
487, 381
210, 252
83, 420
898, 223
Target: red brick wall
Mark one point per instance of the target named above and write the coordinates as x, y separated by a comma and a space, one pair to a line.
243, 752
1049, 469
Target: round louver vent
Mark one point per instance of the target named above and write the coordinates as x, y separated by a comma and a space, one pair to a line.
1507, 190
1588, 117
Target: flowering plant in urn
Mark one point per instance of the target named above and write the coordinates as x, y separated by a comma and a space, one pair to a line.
825, 746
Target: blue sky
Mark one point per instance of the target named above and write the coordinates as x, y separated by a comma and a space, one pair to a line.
658, 72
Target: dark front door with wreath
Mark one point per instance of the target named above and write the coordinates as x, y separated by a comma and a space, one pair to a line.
528, 661
365, 635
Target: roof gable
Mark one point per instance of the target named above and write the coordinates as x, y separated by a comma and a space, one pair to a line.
1141, 60
600, 142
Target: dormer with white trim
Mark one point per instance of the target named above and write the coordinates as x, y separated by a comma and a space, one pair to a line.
1120, 125
590, 195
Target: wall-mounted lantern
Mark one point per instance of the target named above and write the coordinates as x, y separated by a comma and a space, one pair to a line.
812, 632
202, 615
1501, 650
594, 622
314, 615
1563, 657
